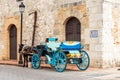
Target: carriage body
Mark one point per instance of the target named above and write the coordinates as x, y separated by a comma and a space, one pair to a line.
58, 54
72, 51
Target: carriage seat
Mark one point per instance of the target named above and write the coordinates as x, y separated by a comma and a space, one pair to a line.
52, 44
71, 45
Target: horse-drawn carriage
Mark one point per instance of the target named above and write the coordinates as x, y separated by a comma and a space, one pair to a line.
58, 54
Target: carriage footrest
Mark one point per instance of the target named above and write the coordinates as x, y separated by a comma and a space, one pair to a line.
74, 60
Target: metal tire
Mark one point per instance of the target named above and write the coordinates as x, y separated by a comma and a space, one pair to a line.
35, 61
85, 61
60, 61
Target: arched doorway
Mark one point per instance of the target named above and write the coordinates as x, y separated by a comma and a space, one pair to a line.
13, 42
73, 30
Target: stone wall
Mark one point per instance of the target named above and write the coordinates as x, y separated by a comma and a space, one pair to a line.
89, 14
99, 25
45, 21
94, 8
111, 34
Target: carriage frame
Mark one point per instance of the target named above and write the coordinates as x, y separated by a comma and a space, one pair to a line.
57, 55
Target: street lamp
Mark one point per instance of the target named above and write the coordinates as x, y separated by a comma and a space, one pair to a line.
21, 9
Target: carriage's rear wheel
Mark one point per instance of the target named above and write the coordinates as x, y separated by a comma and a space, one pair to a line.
85, 61
35, 61
60, 61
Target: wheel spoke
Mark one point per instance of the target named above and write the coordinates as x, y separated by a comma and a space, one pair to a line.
85, 61
60, 61
35, 61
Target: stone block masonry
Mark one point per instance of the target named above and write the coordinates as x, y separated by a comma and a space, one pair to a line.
94, 15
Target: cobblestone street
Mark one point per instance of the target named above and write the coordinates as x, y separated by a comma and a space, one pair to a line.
8, 72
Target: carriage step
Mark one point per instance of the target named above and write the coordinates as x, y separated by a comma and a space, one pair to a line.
74, 60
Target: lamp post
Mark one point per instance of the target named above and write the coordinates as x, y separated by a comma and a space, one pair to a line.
21, 9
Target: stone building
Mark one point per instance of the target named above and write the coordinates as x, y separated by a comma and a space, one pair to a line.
96, 23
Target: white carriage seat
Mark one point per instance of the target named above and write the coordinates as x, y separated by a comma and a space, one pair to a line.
53, 45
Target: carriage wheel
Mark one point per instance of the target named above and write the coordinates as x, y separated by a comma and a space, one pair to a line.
85, 61
35, 61
60, 61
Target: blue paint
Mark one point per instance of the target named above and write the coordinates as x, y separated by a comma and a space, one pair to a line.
59, 61
85, 61
52, 39
56, 55
35, 61
70, 46
49, 59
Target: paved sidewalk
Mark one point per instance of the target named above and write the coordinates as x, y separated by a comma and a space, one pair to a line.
8, 72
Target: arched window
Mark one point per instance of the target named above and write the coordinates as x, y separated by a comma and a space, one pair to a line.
73, 30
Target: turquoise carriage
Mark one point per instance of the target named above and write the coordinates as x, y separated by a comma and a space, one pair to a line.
58, 54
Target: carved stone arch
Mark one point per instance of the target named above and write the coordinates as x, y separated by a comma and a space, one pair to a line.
8, 23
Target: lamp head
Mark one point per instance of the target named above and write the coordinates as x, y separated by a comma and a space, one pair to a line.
22, 7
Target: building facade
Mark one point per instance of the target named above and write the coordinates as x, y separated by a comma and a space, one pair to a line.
96, 23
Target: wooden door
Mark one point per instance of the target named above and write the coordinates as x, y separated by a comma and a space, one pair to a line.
13, 42
73, 30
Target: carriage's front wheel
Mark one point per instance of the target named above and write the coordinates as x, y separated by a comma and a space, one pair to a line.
85, 61
60, 61
35, 61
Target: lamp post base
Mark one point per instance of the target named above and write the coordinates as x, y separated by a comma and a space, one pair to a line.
20, 59
20, 62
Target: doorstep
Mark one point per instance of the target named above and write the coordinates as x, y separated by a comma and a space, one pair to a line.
9, 62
